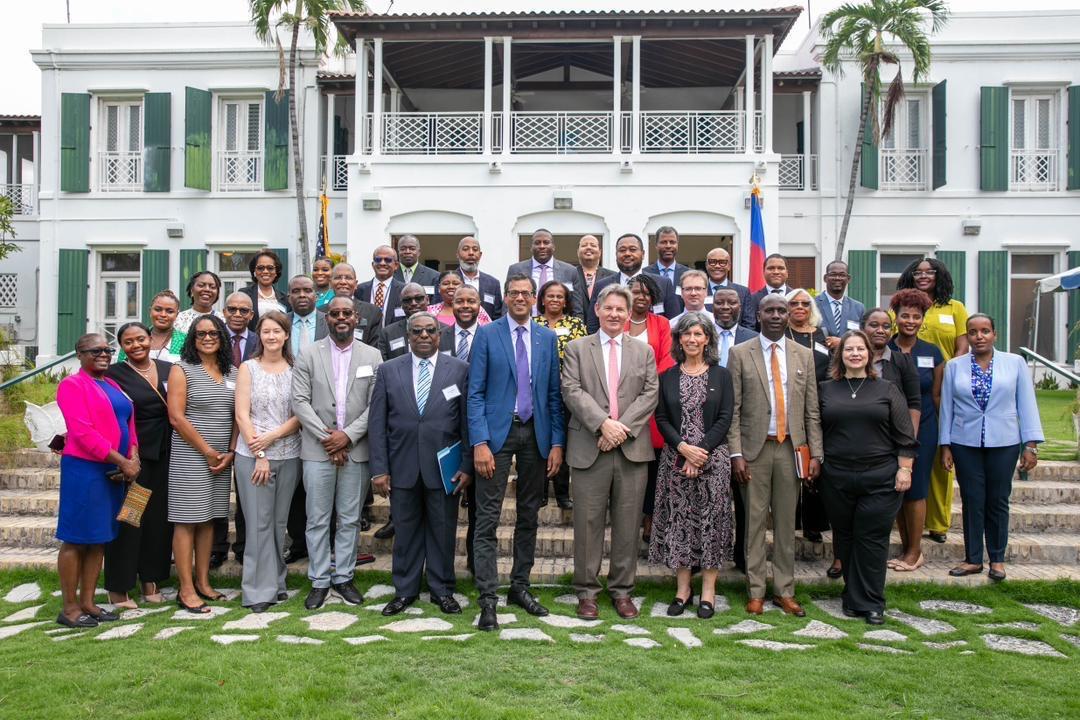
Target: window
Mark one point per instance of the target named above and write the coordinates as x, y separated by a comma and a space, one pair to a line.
240, 145
118, 290
234, 272
903, 164
1026, 269
1033, 154
891, 267
121, 146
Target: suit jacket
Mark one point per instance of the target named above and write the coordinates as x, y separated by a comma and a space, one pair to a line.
493, 387
587, 299
315, 403
448, 340
252, 292
565, 273
422, 275
392, 341
654, 270
852, 311
1011, 416
716, 413
391, 309
750, 419
491, 295
250, 344
741, 290
368, 323
585, 391
672, 304
749, 310
404, 442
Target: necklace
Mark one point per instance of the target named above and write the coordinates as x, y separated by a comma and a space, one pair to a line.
855, 391
145, 373
271, 296
638, 322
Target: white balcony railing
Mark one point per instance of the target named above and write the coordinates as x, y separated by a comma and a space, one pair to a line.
21, 197
339, 172
1033, 170
454, 133
798, 172
560, 132
120, 171
240, 170
902, 169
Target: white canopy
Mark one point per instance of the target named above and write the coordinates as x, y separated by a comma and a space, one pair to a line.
1068, 280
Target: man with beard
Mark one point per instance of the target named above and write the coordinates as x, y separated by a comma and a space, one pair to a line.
543, 266
469, 254
368, 317
629, 254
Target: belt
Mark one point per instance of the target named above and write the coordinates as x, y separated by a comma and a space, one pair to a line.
773, 438
519, 421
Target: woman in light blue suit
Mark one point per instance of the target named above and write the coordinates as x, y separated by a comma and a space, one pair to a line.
988, 413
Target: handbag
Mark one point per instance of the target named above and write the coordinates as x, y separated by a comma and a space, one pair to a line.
135, 501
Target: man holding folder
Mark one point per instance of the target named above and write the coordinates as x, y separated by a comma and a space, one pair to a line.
418, 413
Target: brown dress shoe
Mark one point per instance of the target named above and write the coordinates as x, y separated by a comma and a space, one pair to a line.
789, 606
587, 609
625, 607
756, 606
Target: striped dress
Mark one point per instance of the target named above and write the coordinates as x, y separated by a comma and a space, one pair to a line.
195, 495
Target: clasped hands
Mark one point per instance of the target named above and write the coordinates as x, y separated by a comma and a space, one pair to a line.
612, 434
696, 458
336, 445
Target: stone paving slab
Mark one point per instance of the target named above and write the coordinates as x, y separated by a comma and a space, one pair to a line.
818, 630
230, 639
254, 621
298, 640
1073, 640
418, 625
1017, 625
12, 630
833, 607
948, 645
963, 608
172, 632
454, 638
883, 649
23, 615
365, 639
631, 629
27, 592
525, 634
501, 618
773, 645
332, 621
136, 613
684, 636
586, 638
884, 636
565, 621
1008, 643
1066, 616
926, 626
122, 631
216, 611
745, 627
60, 638
642, 642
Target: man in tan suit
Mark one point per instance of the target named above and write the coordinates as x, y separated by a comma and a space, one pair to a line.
610, 387
776, 411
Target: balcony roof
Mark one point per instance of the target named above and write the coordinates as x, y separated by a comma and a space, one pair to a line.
19, 123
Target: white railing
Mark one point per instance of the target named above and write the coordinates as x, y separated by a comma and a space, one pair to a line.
120, 171
21, 197
1033, 170
798, 172
240, 170
692, 132
759, 131
560, 132
339, 172
454, 133
902, 169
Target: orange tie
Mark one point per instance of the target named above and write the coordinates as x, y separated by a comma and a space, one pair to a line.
778, 391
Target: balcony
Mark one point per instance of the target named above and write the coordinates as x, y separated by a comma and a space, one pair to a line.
1033, 170
902, 169
798, 172
22, 198
240, 170
120, 171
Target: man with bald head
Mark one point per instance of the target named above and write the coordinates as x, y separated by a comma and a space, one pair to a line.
368, 317
410, 267
543, 267
589, 269
384, 290
469, 254
718, 268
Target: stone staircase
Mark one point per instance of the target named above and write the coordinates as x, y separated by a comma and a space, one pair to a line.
1044, 539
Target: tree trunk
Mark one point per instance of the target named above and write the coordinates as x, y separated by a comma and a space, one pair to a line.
856, 162
298, 162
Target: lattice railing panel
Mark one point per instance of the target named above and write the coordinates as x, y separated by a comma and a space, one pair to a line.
902, 169
120, 171
239, 170
1033, 170
691, 132
21, 197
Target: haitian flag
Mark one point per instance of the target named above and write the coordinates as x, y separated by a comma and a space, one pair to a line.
756, 279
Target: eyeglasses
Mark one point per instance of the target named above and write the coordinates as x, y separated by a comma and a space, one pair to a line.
924, 273
691, 288
519, 293
417, 332
382, 261
800, 303
265, 268
203, 334
99, 351
233, 310
341, 313
720, 261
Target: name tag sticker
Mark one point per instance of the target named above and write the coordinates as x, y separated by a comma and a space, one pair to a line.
445, 352
399, 312
562, 331
658, 308
451, 392
358, 334
818, 347
852, 325
569, 286
924, 361
678, 291
489, 298
946, 320
429, 289
364, 371
397, 343
230, 385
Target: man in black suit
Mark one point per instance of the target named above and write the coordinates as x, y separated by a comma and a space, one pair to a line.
383, 291
776, 275
393, 340
368, 317
629, 254
411, 269
589, 255
490, 289
418, 407
667, 249
718, 268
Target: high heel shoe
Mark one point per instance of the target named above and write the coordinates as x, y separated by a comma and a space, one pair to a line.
193, 609
216, 597
678, 606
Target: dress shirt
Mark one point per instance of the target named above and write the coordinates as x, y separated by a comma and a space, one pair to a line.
604, 350
243, 342
720, 332
525, 338
416, 371
407, 272
666, 271
300, 322
782, 290
340, 360
713, 286
472, 337
550, 265
766, 348
375, 285
472, 282
624, 278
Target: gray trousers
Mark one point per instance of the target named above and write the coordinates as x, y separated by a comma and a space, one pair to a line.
773, 486
331, 488
612, 482
267, 515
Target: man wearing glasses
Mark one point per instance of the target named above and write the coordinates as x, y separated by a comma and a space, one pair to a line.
384, 290
718, 268
839, 313
392, 340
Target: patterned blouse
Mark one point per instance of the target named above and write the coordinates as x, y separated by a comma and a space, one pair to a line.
566, 329
982, 382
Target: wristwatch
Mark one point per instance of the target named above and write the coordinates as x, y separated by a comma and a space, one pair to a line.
261, 454
1033, 449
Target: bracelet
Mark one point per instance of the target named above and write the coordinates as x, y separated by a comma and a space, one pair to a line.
904, 469
1034, 450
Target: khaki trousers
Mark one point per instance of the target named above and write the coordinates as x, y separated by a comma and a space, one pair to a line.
773, 486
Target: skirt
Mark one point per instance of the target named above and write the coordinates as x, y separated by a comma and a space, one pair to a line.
89, 502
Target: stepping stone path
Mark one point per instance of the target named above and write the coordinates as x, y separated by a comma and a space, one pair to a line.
567, 599
820, 631
585, 638
136, 613
230, 639
963, 608
215, 612
12, 630
329, 621
525, 634
123, 631
1007, 643
883, 649
773, 645
420, 625
27, 592
684, 636
60, 638
659, 610
643, 643
565, 621
1066, 616
832, 607
254, 621
1018, 625
631, 629
379, 591
944, 645
743, 628
1073, 640
172, 632
456, 638
501, 618
411, 610
926, 626
884, 636
365, 639
298, 640
23, 615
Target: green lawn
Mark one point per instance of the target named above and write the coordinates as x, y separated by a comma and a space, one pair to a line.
1055, 410
13, 433
188, 676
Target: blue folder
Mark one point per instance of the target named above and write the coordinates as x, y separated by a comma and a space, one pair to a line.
449, 463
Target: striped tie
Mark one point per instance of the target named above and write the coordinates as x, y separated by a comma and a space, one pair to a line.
837, 311
423, 385
463, 346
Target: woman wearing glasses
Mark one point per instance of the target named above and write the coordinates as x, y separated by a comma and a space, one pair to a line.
100, 441
203, 289
265, 269
201, 402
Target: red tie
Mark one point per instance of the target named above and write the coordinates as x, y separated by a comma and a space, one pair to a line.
237, 349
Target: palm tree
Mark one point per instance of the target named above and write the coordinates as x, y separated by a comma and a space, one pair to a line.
859, 31
268, 17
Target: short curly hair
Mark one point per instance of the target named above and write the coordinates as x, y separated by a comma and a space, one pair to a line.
910, 298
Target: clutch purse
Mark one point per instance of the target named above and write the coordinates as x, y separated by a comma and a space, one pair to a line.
135, 501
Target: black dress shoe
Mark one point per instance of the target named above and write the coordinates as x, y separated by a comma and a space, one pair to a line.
447, 604
488, 618
385, 532
961, 571
282, 596
365, 524
834, 572
397, 605
464, 500
812, 535
83, 621
996, 575
705, 610
348, 593
936, 537
678, 607
105, 616
216, 560
260, 607
525, 600
875, 617
295, 555
848, 612
316, 598
565, 503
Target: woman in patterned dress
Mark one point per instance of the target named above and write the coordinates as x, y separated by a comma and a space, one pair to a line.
693, 518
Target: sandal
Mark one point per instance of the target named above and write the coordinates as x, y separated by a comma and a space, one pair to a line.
155, 597
216, 597
194, 609
126, 604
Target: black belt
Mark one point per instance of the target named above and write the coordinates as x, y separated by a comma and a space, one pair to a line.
519, 421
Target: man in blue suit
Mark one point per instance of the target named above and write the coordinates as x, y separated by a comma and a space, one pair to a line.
515, 411
417, 409
839, 313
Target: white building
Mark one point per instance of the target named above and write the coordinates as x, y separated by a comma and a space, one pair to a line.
19, 144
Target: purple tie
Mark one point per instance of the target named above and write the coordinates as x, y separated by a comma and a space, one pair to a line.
524, 389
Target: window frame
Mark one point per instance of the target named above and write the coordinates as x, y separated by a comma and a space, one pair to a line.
254, 158
129, 162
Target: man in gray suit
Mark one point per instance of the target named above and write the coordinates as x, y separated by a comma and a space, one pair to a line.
543, 267
417, 409
332, 384
411, 269
839, 313
610, 388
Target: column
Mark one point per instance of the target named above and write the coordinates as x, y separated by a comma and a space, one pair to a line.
361, 96
507, 81
36, 147
376, 100
808, 151
635, 122
748, 80
14, 155
485, 120
616, 97
330, 166
767, 94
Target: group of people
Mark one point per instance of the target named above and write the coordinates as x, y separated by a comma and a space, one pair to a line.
671, 403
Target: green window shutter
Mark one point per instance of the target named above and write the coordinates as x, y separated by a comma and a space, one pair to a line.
937, 100
956, 261
869, 163
75, 142
157, 140
155, 277
276, 150
994, 139
1073, 182
994, 292
863, 268
191, 262
1072, 334
282, 285
198, 150
72, 290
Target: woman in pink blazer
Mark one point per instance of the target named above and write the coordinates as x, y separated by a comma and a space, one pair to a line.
100, 440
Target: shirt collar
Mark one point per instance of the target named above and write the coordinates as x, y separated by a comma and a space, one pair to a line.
334, 347
605, 338
514, 324
471, 329
766, 343
416, 360
536, 263
624, 278
304, 318
243, 333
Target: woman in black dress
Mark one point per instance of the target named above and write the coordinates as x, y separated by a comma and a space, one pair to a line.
143, 553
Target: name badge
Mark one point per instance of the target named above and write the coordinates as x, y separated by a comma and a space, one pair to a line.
429, 289
569, 286
229, 384
852, 325
946, 320
678, 291
488, 298
397, 343
451, 392
924, 361
818, 347
399, 312
364, 371
562, 331
658, 308
358, 334
445, 352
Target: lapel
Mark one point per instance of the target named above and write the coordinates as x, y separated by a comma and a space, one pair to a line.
405, 381
437, 379
507, 342
597, 353
354, 362
794, 367
327, 364
758, 355
537, 350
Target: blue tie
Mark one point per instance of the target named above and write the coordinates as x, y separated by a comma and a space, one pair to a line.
725, 345
423, 385
524, 388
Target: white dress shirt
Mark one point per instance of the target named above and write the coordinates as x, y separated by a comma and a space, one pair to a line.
473, 282
766, 349
525, 338
456, 330
416, 367
624, 278
605, 349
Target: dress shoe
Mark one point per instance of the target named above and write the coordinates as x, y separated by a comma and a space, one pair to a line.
875, 617
789, 606
365, 524
216, 560
348, 593
364, 559
961, 571
996, 575
587, 609
260, 607
488, 619
316, 598
239, 558
625, 607
385, 532
83, 621
525, 600
447, 604
812, 535
565, 503
105, 616
705, 610
834, 572
756, 606
295, 555
464, 500
936, 537
848, 612
397, 605
678, 607
282, 596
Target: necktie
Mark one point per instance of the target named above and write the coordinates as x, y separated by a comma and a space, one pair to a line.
305, 333
613, 379
237, 349
777, 291
543, 281
423, 385
463, 345
668, 272
524, 388
380, 296
589, 278
778, 391
837, 309
407, 274
725, 345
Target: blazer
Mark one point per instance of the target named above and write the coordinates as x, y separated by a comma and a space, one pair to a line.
392, 341
1011, 416
491, 294
92, 427
448, 340
405, 443
654, 270
493, 387
422, 275
152, 412
391, 309
585, 391
368, 322
250, 344
672, 304
565, 273
587, 299
851, 311
716, 413
750, 419
744, 298
252, 292
742, 334
321, 328
659, 331
315, 403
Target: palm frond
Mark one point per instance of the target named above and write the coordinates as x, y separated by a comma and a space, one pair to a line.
892, 100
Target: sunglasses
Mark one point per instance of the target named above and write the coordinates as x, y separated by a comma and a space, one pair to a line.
417, 332
382, 261
799, 303
265, 268
99, 351
417, 299
340, 313
237, 311
203, 334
